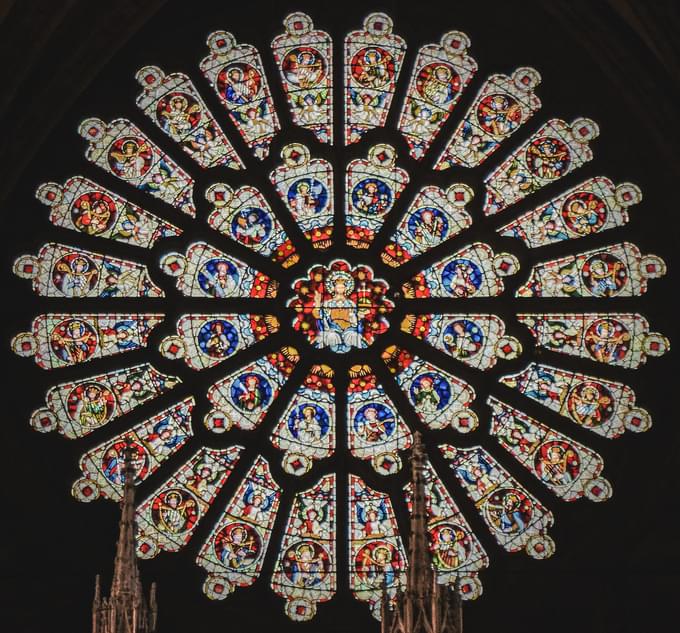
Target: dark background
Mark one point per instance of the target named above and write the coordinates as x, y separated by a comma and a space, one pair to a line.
616, 564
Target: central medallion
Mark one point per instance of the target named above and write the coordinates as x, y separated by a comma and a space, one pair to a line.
340, 307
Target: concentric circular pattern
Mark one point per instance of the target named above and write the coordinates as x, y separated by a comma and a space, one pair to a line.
336, 309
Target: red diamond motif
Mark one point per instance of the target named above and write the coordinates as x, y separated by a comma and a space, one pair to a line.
87, 491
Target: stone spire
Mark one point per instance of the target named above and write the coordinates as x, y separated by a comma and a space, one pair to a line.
425, 606
125, 610
420, 575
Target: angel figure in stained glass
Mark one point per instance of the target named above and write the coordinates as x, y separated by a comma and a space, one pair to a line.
238, 546
251, 225
206, 144
557, 463
338, 317
254, 120
372, 69
518, 433
132, 160
478, 473
509, 512
174, 511
203, 479
548, 158
499, 114
449, 547
584, 214
422, 120
437, 83
94, 406
93, 216
75, 278
427, 226
371, 516
242, 84
305, 565
375, 422
73, 341
375, 564
164, 181
589, 403
310, 524
178, 116
164, 438
307, 197
425, 395
133, 226
310, 109
308, 424
304, 67
219, 277
607, 342
367, 107
463, 338
256, 504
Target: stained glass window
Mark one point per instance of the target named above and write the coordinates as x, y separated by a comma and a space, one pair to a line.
317, 304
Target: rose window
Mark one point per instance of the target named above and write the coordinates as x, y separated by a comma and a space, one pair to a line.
333, 306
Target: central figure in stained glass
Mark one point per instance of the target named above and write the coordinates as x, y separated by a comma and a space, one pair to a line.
340, 307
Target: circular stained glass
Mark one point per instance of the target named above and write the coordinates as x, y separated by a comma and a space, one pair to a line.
334, 308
